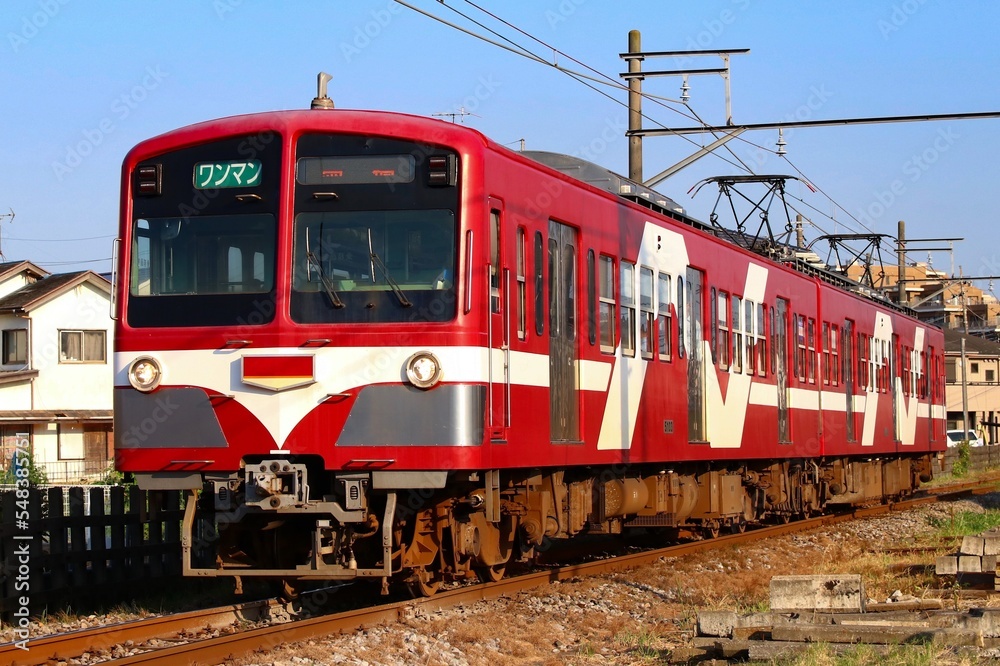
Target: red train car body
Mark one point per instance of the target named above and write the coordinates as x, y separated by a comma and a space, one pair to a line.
377, 345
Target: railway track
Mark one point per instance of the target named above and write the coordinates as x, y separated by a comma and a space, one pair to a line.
180, 638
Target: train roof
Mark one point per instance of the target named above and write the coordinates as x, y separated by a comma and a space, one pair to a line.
432, 130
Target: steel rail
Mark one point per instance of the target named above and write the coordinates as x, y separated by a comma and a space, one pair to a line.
214, 650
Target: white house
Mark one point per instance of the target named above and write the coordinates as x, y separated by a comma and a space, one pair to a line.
55, 376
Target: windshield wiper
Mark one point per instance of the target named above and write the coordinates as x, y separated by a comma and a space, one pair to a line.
377, 261
334, 298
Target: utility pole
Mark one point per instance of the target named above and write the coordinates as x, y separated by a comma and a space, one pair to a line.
901, 274
635, 106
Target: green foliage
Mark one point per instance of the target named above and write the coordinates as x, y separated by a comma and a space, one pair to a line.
820, 654
36, 473
110, 477
961, 466
967, 523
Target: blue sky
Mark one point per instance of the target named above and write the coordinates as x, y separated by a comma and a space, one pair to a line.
85, 81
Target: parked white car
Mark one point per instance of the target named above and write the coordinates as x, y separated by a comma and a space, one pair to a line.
956, 436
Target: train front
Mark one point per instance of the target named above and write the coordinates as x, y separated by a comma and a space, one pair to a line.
291, 346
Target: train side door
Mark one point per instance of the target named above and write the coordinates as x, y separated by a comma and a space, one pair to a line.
499, 364
693, 313
564, 403
781, 369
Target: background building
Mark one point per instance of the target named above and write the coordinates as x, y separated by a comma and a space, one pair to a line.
55, 371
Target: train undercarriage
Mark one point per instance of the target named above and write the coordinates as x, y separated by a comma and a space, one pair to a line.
282, 519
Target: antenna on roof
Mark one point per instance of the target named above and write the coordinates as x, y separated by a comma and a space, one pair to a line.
461, 113
322, 101
3, 215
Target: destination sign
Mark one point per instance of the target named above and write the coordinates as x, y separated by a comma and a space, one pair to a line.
356, 169
232, 173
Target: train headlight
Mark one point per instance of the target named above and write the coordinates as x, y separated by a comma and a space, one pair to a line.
144, 374
423, 370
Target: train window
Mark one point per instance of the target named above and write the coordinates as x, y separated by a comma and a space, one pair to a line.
553, 300
749, 308
761, 341
665, 328
922, 376
825, 349
774, 340
679, 309
800, 347
811, 349
495, 261
834, 355
628, 308
522, 288
569, 290
607, 304
723, 337
737, 335
539, 282
647, 322
591, 298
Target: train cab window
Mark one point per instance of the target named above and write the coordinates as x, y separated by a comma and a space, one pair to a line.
606, 305
647, 321
373, 266
522, 288
539, 284
665, 328
627, 288
723, 337
737, 334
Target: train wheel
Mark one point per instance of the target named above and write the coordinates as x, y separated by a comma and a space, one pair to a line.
710, 530
290, 589
491, 574
423, 583
739, 526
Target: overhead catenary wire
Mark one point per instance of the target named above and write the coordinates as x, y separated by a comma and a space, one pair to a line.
604, 79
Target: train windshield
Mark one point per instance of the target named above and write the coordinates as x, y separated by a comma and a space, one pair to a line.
374, 266
202, 270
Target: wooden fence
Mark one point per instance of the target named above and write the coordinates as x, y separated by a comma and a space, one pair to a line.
63, 544
981, 458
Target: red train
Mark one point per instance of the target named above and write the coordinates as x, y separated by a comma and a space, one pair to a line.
373, 345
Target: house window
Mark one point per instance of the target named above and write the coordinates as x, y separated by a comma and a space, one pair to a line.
82, 346
974, 368
990, 376
15, 345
